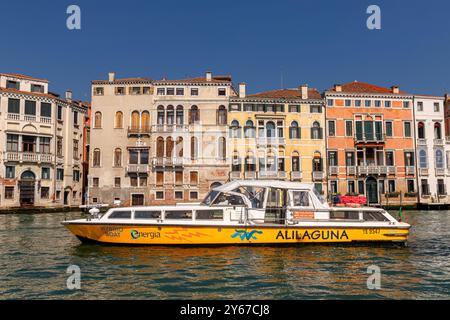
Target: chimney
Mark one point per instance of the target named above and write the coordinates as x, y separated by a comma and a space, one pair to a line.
338, 88
208, 75
242, 90
111, 76
304, 91
69, 95
395, 89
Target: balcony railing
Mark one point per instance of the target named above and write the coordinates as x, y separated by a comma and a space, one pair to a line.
318, 175
391, 170
29, 157
438, 142
421, 142
423, 171
139, 131
170, 128
250, 174
167, 162
296, 175
28, 118
235, 175
13, 116
334, 170
138, 168
440, 171
410, 170
374, 137
351, 170
270, 141
272, 174
372, 169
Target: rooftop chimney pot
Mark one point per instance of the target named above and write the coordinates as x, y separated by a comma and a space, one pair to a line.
111, 76
338, 87
208, 75
395, 89
242, 90
304, 91
69, 95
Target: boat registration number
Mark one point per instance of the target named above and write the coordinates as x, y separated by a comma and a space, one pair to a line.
371, 231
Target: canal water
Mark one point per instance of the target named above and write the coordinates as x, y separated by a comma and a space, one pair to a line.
36, 250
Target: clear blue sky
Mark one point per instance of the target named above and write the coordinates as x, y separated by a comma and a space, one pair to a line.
260, 42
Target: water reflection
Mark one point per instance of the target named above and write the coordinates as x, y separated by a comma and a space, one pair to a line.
36, 251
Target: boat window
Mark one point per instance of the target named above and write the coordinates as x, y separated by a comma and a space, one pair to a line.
254, 194
210, 197
147, 214
301, 198
209, 215
345, 215
228, 200
120, 215
319, 196
179, 214
374, 216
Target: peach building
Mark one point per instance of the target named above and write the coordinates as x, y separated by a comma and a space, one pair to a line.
370, 143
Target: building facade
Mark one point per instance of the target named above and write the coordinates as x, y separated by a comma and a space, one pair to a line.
370, 143
41, 138
158, 141
432, 150
278, 134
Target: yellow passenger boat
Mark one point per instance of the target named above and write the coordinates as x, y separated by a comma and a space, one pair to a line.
243, 212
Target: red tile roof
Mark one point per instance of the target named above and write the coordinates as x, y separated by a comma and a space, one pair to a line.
287, 94
362, 87
124, 80
21, 76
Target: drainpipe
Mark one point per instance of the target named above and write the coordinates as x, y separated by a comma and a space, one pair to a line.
415, 152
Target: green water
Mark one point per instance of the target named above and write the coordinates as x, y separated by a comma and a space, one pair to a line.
35, 251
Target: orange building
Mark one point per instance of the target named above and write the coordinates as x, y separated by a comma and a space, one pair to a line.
370, 144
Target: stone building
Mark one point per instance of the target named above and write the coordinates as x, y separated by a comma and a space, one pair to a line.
278, 134
158, 141
41, 138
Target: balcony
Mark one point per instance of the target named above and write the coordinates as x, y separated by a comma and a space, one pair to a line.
235, 175
410, 170
138, 168
318, 175
334, 170
169, 128
272, 175
296, 175
438, 142
273, 141
391, 170
370, 138
13, 116
29, 157
372, 169
351, 170
423, 171
440, 171
421, 142
250, 175
134, 131
167, 162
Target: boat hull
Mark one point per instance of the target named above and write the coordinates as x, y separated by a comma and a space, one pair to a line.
232, 235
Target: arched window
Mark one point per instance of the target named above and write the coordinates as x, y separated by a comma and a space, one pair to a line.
423, 160
270, 129
179, 147
222, 148
170, 115
119, 120
439, 159
169, 147
222, 115
98, 119
317, 162
249, 129
421, 130
294, 130
437, 131
135, 120
316, 131
96, 158
160, 115
145, 121
117, 157
194, 148
194, 115
250, 163
160, 147
235, 129
180, 115
295, 162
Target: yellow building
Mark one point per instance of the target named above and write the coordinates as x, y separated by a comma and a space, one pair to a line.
278, 134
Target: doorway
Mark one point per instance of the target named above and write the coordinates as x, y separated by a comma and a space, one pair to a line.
27, 185
372, 190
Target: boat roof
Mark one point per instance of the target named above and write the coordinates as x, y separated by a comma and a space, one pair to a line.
265, 183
